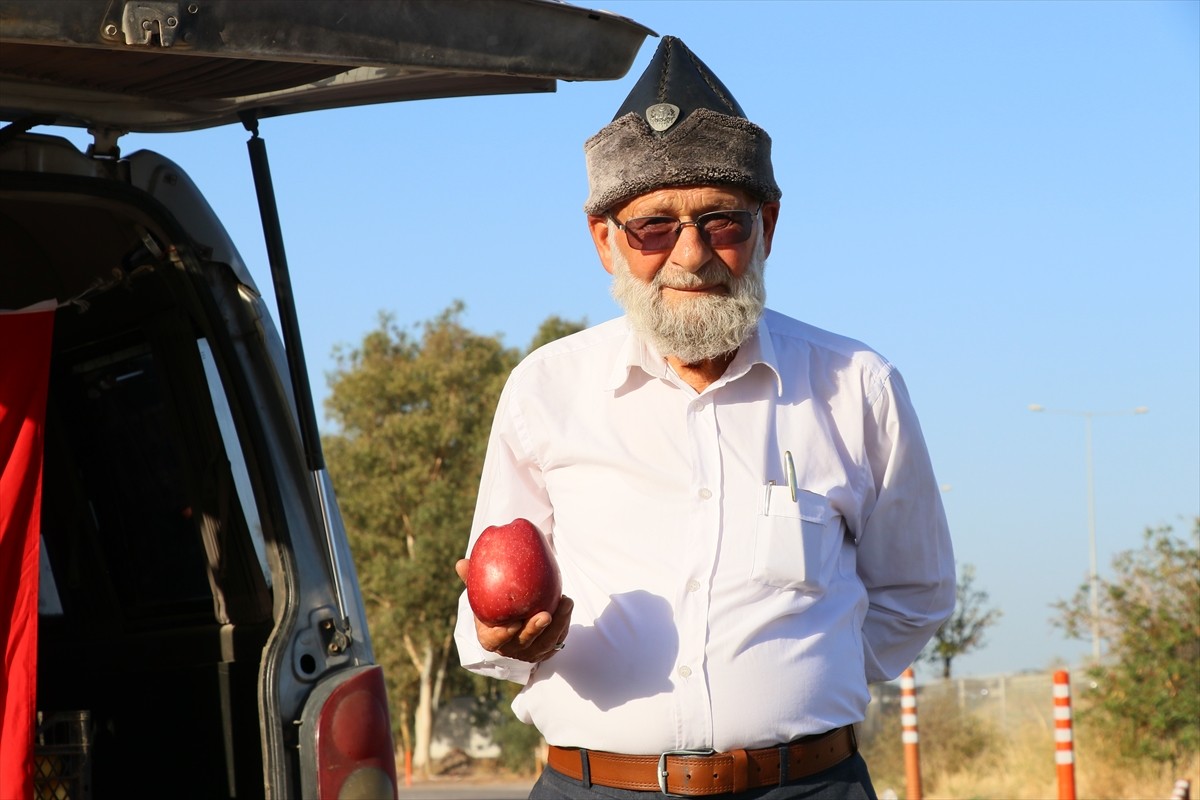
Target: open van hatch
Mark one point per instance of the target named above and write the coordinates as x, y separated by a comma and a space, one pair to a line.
147, 65
201, 620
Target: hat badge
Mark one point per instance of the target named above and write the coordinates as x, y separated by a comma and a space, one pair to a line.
662, 116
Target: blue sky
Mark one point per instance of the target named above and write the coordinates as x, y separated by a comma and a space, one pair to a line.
1001, 197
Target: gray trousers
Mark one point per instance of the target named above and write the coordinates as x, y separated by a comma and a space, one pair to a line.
848, 780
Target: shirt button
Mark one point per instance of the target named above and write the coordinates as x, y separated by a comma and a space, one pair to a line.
685, 672
693, 586
698, 405
704, 494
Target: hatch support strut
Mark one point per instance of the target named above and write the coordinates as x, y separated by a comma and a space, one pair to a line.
290, 329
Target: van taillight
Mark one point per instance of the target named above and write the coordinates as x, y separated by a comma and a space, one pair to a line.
355, 756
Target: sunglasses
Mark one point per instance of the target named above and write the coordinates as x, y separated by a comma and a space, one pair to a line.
716, 228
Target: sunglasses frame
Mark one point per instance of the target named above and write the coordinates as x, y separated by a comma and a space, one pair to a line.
680, 224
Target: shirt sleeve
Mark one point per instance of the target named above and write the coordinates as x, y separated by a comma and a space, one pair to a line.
905, 557
511, 486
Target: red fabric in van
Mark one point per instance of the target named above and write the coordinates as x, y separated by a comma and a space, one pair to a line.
25, 339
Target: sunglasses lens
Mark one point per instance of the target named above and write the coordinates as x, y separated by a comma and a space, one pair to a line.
726, 227
718, 228
652, 233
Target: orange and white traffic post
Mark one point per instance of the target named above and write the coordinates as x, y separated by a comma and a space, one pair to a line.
908, 726
1064, 738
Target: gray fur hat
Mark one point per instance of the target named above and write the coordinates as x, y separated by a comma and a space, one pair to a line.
679, 126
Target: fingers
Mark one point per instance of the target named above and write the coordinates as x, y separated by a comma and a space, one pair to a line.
494, 638
554, 637
539, 637
557, 630
534, 626
461, 567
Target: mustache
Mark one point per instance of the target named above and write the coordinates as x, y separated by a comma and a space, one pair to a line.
711, 274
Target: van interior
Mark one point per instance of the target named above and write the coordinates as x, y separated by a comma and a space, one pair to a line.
155, 602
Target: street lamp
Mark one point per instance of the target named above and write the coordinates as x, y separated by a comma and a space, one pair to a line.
1093, 577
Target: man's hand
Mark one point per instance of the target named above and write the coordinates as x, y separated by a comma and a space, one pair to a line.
533, 640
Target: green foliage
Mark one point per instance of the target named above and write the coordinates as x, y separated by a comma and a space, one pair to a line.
517, 742
1148, 686
554, 327
963, 632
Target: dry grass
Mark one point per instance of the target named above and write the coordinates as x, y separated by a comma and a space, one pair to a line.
965, 758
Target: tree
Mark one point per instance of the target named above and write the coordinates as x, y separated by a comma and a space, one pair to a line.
1148, 684
414, 416
963, 632
554, 327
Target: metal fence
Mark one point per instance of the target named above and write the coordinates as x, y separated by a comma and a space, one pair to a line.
1008, 702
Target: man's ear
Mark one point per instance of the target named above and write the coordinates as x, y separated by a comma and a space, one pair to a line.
770, 216
598, 226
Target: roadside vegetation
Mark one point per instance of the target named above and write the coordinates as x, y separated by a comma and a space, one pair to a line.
1137, 726
970, 759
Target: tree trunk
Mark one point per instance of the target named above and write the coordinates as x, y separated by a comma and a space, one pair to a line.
405, 755
431, 669
423, 719
440, 674
946, 667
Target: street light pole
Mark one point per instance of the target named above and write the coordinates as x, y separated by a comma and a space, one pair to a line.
1093, 572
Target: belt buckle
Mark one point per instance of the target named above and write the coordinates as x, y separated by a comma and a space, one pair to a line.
662, 766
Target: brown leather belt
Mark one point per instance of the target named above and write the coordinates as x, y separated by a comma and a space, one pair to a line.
690, 773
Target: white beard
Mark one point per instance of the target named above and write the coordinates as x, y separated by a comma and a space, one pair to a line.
699, 327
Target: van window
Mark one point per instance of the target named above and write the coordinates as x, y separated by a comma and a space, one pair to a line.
49, 603
237, 461
146, 471
127, 449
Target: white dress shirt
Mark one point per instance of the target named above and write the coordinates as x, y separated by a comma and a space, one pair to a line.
712, 610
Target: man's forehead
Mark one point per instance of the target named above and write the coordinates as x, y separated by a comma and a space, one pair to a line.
685, 199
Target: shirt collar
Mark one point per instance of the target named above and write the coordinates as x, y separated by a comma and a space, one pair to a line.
636, 353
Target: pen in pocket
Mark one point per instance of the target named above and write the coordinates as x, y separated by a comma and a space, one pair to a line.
789, 468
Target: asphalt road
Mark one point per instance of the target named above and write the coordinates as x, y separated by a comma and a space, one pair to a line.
454, 790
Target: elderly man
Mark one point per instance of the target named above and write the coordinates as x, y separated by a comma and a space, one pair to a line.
742, 505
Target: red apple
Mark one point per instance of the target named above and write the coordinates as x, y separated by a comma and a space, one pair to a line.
513, 575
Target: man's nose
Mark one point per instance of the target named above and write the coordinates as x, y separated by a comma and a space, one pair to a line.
691, 251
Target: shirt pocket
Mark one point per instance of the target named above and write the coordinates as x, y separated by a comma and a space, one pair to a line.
795, 542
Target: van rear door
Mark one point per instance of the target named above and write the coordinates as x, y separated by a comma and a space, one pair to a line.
150, 65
